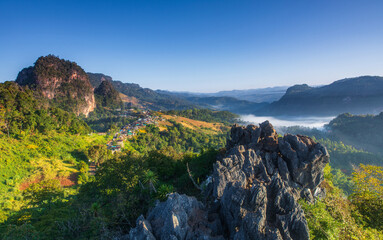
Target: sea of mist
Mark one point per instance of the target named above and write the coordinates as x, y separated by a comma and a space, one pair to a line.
310, 122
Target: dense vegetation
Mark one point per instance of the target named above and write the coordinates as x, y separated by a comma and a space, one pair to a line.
206, 115
47, 190
21, 114
107, 206
107, 96
357, 217
63, 82
363, 131
343, 156
51, 66
37, 143
104, 206
178, 137
39, 157
145, 97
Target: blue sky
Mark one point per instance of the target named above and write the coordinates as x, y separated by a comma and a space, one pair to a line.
198, 45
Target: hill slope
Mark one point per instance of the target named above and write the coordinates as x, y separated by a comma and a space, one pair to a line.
143, 97
358, 95
107, 96
362, 131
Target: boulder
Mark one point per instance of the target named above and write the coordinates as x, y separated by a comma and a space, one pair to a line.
142, 231
179, 217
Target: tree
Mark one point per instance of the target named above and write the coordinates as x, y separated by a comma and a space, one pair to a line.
98, 153
151, 179
2, 118
368, 194
44, 191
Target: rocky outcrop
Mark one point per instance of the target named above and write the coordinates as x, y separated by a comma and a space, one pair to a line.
260, 180
179, 217
253, 192
63, 82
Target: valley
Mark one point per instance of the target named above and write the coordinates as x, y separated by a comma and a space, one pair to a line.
191, 120
74, 168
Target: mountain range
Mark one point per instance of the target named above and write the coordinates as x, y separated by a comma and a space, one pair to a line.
65, 84
359, 95
258, 95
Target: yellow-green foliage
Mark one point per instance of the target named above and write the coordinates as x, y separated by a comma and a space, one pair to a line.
47, 156
336, 217
368, 194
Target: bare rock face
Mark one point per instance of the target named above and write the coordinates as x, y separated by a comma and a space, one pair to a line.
253, 194
179, 217
260, 180
63, 82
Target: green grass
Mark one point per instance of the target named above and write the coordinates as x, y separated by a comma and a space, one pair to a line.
51, 155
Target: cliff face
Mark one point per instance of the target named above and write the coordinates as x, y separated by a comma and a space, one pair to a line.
253, 192
63, 82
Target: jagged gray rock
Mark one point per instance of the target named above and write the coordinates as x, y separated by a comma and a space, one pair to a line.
143, 230
179, 217
253, 192
260, 180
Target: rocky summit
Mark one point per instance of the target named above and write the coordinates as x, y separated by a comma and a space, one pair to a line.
62, 82
252, 193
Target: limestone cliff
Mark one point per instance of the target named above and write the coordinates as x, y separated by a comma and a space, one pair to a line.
253, 192
64, 83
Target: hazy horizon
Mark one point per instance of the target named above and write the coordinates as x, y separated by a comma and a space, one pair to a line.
310, 122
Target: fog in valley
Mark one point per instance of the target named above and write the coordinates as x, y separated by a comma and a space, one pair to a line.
310, 122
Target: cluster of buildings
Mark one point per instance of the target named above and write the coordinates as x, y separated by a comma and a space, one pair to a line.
130, 130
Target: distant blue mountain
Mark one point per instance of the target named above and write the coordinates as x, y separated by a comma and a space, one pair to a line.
259, 95
360, 95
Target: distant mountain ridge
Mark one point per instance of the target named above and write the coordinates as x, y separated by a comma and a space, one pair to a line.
142, 97
358, 95
66, 85
361, 131
258, 95
227, 104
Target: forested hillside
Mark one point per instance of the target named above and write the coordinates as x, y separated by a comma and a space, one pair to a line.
142, 97
361, 131
74, 177
344, 156
39, 145
49, 192
107, 96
